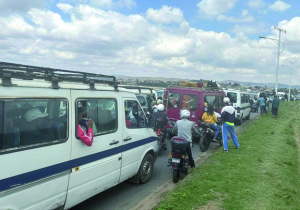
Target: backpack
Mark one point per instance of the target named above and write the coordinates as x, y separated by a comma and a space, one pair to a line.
157, 123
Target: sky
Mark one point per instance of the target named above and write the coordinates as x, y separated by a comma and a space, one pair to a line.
194, 39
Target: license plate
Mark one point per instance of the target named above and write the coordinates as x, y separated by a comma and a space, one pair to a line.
175, 160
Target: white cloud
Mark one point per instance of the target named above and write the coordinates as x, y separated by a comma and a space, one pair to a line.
165, 14
250, 29
209, 8
279, 6
109, 42
106, 4
256, 4
225, 18
245, 18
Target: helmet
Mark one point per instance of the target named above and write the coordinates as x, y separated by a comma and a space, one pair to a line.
226, 100
161, 107
185, 114
159, 101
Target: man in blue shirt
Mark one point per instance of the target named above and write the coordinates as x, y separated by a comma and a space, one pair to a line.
262, 103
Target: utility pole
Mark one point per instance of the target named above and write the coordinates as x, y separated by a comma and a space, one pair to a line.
277, 70
290, 79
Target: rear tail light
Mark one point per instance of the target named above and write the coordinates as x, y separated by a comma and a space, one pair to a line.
158, 133
176, 155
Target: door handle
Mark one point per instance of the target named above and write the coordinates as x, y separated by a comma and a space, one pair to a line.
128, 138
114, 142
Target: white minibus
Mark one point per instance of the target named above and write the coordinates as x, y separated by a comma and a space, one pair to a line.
44, 164
240, 100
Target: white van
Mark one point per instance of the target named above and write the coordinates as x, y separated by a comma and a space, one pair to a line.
44, 165
241, 102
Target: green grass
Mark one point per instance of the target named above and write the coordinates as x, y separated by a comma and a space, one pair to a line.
262, 174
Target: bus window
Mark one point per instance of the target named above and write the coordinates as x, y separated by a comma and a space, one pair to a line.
189, 102
30, 123
174, 99
102, 111
232, 96
221, 101
211, 100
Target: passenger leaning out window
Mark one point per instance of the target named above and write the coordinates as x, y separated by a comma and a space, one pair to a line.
85, 132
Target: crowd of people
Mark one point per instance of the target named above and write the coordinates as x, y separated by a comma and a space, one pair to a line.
264, 104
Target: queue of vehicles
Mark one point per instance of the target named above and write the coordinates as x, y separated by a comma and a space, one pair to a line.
69, 170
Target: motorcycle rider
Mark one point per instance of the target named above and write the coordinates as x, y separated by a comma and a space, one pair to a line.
161, 122
211, 118
228, 115
185, 129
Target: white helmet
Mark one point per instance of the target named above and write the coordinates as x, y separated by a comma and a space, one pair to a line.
226, 100
161, 107
185, 114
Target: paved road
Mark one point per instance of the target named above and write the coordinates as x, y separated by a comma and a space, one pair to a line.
126, 195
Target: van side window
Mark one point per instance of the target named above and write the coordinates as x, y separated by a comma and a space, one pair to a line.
189, 102
221, 101
211, 100
173, 100
102, 111
27, 123
247, 98
134, 116
243, 98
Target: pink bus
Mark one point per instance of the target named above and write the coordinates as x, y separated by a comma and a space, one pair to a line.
193, 99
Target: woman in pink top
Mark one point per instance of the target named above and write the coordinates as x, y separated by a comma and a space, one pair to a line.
85, 133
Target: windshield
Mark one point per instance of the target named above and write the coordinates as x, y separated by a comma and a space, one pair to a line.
232, 97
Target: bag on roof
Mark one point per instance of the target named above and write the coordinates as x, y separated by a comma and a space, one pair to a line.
212, 84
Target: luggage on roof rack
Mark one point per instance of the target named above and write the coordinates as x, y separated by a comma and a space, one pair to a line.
26, 72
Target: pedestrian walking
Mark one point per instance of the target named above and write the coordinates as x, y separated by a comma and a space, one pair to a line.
275, 106
228, 116
262, 104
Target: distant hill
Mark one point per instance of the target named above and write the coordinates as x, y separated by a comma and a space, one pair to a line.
261, 84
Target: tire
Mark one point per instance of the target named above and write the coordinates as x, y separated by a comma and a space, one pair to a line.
221, 142
146, 169
204, 143
248, 117
175, 175
240, 121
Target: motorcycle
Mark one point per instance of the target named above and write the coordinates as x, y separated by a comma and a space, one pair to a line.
179, 159
161, 141
254, 107
207, 135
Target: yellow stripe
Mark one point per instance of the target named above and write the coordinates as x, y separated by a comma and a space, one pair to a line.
229, 123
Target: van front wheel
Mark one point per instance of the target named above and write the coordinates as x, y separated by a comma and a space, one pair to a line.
146, 169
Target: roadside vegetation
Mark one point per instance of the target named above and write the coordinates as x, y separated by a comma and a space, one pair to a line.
262, 174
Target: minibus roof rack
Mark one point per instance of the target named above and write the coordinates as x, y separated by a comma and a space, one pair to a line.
198, 88
26, 72
137, 87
